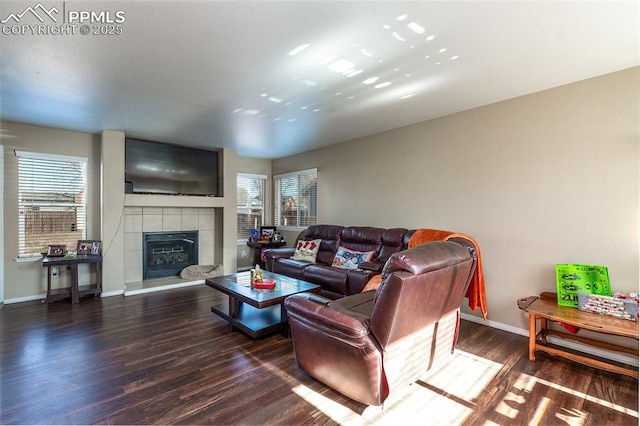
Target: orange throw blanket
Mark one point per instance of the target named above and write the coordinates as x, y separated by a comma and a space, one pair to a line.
476, 291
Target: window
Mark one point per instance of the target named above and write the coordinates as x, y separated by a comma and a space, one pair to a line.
251, 200
296, 198
52, 206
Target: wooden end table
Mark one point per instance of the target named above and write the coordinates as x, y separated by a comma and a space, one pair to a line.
75, 291
257, 247
254, 311
545, 308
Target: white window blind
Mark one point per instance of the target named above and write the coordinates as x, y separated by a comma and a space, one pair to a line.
251, 204
296, 198
52, 207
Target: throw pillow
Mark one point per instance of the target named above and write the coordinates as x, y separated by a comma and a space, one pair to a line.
307, 250
373, 283
350, 259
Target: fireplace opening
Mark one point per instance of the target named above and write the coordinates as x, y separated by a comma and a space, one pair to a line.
165, 254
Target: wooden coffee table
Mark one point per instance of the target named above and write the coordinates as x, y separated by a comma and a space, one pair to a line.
257, 312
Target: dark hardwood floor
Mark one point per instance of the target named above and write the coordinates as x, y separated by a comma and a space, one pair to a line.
164, 358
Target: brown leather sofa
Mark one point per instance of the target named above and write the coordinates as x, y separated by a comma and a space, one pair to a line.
338, 282
367, 345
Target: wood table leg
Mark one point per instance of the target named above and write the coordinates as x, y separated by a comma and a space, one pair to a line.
284, 318
75, 290
543, 330
532, 337
49, 284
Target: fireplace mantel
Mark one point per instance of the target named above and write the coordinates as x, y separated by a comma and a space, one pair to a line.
144, 200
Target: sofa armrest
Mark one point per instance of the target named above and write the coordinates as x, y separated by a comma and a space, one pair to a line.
277, 253
272, 254
371, 266
323, 314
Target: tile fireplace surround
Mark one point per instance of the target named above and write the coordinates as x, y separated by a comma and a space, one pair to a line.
164, 219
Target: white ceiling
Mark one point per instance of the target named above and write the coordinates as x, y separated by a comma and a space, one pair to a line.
223, 73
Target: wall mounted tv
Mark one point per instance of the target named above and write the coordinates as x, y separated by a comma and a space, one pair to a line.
160, 168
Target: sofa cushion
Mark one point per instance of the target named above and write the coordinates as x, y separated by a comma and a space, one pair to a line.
330, 236
307, 250
333, 280
361, 238
393, 241
350, 259
289, 267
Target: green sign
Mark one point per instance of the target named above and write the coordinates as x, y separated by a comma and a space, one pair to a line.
572, 279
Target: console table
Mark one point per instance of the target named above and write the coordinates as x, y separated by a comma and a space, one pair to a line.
545, 308
75, 291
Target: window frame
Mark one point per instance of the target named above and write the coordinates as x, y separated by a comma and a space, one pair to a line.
40, 160
277, 203
264, 178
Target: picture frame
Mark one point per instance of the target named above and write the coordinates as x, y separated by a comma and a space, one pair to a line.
255, 234
96, 248
89, 248
56, 250
267, 232
84, 247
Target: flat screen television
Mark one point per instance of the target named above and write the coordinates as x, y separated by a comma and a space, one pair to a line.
161, 168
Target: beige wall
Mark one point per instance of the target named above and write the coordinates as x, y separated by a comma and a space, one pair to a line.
27, 279
547, 178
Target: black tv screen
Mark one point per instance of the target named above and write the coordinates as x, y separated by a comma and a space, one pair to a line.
160, 168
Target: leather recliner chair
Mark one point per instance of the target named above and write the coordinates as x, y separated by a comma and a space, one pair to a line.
368, 344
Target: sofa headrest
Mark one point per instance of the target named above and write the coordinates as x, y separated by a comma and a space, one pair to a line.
427, 257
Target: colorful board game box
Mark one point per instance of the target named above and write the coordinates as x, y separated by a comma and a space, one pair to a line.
572, 279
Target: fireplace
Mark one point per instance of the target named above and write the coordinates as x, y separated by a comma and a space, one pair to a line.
165, 254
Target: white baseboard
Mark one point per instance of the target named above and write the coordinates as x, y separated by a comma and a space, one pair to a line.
25, 299
569, 344
112, 293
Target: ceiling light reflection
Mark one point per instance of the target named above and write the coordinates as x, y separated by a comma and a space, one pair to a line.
397, 36
419, 29
341, 66
382, 85
298, 49
370, 80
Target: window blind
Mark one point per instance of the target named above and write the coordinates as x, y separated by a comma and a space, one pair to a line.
251, 203
296, 198
51, 201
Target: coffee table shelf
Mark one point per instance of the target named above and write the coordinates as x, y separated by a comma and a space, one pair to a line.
253, 311
252, 321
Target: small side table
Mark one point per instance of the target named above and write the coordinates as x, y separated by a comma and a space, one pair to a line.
75, 291
256, 249
545, 308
